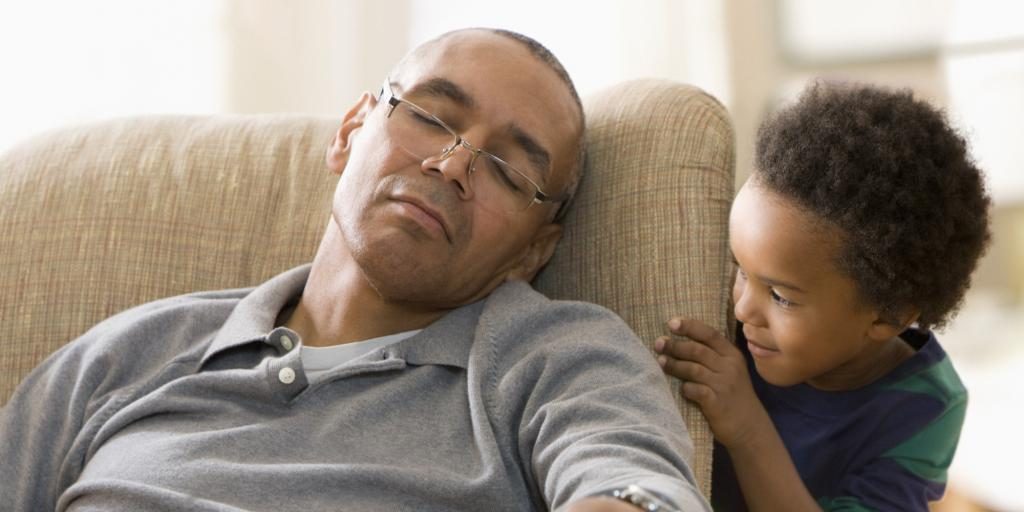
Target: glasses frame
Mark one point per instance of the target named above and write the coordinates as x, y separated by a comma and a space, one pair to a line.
387, 94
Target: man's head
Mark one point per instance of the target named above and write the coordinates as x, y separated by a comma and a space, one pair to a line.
420, 228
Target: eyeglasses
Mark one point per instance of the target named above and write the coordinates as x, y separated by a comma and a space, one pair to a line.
493, 180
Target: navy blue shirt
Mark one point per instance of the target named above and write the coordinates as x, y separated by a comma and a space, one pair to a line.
885, 446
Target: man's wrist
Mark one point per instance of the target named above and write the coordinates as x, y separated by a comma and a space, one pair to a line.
641, 498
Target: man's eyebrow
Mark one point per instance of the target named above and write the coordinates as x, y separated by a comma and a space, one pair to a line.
538, 156
444, 88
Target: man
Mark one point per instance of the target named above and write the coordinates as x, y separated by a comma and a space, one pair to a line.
410, 367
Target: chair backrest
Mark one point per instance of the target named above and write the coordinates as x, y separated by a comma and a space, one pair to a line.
97, 218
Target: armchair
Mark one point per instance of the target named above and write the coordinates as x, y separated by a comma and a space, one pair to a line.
97, 218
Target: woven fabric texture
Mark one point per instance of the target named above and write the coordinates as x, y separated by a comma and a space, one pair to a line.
97, 218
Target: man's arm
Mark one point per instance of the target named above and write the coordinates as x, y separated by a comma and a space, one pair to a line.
594, 413
601, 504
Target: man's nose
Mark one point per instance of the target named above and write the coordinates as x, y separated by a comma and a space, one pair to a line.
454, 165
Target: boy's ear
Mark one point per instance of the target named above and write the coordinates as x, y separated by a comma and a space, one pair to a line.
340, 147
537, 253
884, 327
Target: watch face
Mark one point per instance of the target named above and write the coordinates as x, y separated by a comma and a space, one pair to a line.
642, 498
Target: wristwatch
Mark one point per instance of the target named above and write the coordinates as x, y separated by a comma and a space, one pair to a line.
640, 497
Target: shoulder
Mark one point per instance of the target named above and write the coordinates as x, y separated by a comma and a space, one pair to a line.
928, 375
152, 320
151, 334
920, 407
524, 327
128, 348
929, 403
517, 299
516, 308
933, 390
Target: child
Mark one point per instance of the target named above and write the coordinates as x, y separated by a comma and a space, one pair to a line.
855, 236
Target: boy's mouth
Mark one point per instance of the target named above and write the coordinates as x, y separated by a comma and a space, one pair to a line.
758, 350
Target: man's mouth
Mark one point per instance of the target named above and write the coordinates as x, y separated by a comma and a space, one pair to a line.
428, 216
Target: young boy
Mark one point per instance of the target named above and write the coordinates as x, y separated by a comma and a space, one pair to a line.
855, 236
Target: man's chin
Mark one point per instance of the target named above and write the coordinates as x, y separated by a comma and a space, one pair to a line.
427, 289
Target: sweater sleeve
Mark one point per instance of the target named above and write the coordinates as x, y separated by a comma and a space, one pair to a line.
593, 410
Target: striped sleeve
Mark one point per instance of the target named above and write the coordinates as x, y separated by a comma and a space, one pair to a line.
913, 472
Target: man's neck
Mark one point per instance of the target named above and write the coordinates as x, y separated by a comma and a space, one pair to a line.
339, 305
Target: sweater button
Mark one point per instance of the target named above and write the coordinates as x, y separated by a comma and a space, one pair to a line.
286, 375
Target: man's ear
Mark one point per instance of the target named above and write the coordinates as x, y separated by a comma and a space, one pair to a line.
537, 253
341, 145
885, 327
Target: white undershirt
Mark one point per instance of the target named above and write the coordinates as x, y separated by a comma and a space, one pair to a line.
320, 360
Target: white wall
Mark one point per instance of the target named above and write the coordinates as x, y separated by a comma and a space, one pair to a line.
65, 61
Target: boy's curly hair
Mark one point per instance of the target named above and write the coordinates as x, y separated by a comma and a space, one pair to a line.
897, 181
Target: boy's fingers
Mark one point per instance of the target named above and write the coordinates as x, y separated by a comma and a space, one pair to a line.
691, 328
687, 351
686, 370
700, 332
695, 392
660, 343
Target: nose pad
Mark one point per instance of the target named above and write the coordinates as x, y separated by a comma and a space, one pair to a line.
448, 151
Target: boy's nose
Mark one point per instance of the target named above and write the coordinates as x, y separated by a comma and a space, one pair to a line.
745, 307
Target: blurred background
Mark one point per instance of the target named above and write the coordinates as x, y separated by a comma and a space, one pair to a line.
68, 61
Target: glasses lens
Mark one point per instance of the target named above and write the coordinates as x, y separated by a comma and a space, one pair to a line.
497, 182
418, 132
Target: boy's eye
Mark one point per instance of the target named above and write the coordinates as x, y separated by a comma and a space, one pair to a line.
780, 300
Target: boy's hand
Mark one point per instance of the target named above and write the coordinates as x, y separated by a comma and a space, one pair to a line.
714, 375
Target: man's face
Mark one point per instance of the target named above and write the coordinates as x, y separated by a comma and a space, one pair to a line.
414, 226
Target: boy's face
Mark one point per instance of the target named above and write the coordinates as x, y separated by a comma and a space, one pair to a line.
802, 317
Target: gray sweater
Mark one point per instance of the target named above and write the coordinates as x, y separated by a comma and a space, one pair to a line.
199, 402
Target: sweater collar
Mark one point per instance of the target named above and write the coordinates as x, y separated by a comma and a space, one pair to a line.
447, 341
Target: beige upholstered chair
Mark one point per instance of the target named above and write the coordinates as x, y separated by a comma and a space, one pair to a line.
97, 218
